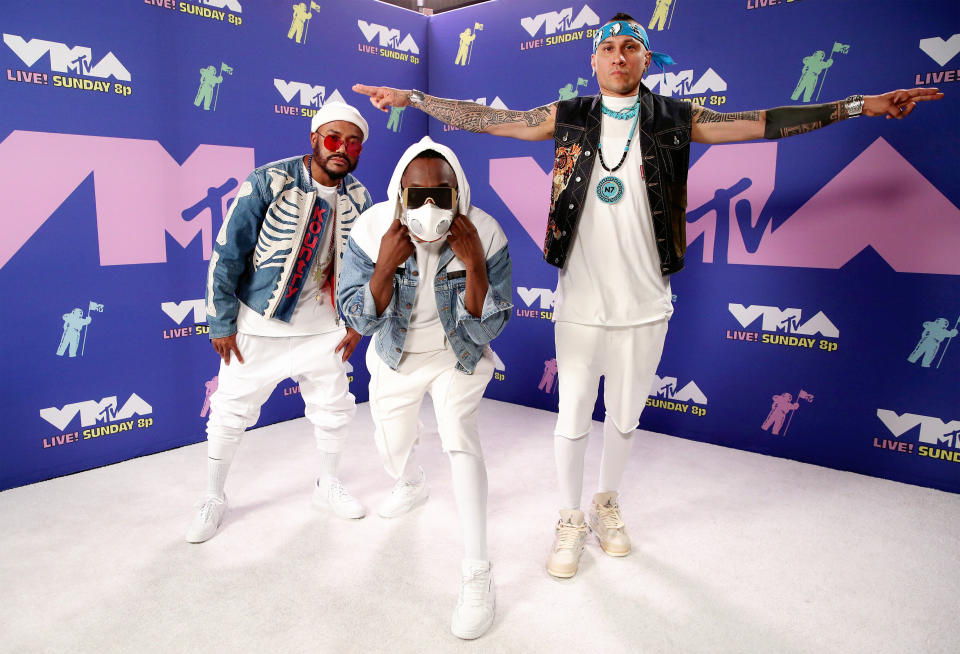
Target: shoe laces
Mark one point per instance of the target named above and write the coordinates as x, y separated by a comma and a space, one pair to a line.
207, 507
610, 516
403, 486
474, 587
568, 534
336, 491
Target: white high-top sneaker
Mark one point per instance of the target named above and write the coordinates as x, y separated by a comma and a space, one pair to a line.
207, 520
405, 496
334, 495
564, 559
477, 601
606, 522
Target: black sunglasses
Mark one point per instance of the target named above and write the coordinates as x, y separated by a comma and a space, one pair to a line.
415, 197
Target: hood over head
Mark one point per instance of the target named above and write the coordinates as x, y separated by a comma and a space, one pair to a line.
426, 143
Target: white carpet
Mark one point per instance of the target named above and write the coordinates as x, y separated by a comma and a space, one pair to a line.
733, 552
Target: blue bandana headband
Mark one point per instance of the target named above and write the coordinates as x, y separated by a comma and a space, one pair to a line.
623, 28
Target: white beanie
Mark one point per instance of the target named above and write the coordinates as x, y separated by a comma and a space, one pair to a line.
333, 110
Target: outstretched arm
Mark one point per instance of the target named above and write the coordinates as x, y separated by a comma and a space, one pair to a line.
533, 125
713, 127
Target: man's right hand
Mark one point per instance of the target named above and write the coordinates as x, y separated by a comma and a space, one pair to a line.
395, 246
225, 345
383, 97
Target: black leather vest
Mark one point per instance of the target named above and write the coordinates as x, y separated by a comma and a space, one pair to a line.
664, 129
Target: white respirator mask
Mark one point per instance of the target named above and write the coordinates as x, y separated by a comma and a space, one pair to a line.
425, 219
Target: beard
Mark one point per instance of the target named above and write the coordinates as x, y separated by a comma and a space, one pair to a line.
334, 173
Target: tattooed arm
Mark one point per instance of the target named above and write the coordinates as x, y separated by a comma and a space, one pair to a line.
533, 125
713, 127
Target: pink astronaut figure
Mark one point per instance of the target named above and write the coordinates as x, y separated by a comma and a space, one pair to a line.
549, 376
211, 387
782, 405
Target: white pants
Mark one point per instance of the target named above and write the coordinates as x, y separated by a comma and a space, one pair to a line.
395, 397
308, 360
627, 359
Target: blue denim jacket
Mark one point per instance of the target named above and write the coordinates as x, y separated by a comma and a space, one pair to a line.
466, 334
263, 247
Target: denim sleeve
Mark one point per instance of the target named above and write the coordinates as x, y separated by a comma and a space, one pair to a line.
231, 256
354, 298
497, 305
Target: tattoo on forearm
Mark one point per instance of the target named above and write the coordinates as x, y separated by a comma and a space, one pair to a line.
702, 116
789, 121
476, 117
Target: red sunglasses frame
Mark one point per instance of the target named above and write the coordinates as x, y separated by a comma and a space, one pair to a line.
332, 142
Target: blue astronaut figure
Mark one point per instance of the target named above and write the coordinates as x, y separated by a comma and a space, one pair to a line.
73, 324
934, 331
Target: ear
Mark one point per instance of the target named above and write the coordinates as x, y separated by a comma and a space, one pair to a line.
314, 139
593, 63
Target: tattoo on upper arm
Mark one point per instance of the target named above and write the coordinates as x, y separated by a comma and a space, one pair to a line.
476, 117
702, 116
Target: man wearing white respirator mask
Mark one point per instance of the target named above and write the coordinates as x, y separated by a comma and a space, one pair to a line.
429, 274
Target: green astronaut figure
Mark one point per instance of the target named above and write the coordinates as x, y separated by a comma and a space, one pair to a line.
812, 67
396, 116
208, 82
934, 331
73, 324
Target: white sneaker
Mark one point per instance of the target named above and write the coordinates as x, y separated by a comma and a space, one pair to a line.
477, 601
571, 533
334, 495
405, 496
606, 522
207, 520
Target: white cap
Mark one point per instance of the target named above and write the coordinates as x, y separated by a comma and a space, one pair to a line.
333, 110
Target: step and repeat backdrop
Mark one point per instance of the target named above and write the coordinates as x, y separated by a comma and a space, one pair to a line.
815, 320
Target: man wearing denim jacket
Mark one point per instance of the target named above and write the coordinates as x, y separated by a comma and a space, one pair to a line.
617, 231
435, 299
271, 286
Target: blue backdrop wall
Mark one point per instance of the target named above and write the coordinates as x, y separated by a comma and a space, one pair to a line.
813, 321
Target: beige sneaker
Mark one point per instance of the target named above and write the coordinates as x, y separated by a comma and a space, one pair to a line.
564, 559
607, 523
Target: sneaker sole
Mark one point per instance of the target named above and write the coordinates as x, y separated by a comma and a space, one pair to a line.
417, 502
562, 575
603, 545
479, 631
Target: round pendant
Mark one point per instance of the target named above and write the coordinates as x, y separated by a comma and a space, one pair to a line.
610, 189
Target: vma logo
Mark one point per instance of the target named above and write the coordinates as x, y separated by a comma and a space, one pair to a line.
940, 440
540, 302
65, 59
308, 95
682, 83
388, 37
93, 412
667, 394
178, 312
783, 327
941, 52
554, 22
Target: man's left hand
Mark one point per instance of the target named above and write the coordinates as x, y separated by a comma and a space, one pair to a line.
349, 343
898, 104
465, 242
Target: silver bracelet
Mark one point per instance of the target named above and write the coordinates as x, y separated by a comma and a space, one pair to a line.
854, 104
416, 97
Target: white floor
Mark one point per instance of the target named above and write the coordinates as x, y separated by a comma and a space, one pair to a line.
733, 552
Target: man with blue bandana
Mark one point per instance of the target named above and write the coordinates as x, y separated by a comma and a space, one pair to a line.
616, 231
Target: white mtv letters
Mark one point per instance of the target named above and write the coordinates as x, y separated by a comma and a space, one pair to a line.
529, 295
787, 320
667, 387
92, 412
560, 21
64, 59
179, 310
932, 430
389, 38
681, 83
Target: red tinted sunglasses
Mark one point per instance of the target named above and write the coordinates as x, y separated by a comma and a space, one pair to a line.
332, 142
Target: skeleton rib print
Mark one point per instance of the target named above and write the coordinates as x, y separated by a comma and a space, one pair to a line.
278, 229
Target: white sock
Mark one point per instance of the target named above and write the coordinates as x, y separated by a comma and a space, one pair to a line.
411, 471
616, 452
569, 453
219, 457
469, 475
329, 461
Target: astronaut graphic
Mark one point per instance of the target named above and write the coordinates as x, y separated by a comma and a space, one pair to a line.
660, 15
813, 66
549, 376
783, 406
209, 79
466, 40
396, 118
73, 324
934, 332
568, 92
211, 388
299, 25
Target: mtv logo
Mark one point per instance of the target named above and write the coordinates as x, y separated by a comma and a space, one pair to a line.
682, 83
939, 50
530, 295
560, 21
388, 38
229, 5
932, 430
667, 387
310, 96
64, 59
178, 311
787, 320
91, 412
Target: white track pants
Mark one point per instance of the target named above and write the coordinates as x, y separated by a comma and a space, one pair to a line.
308, 360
